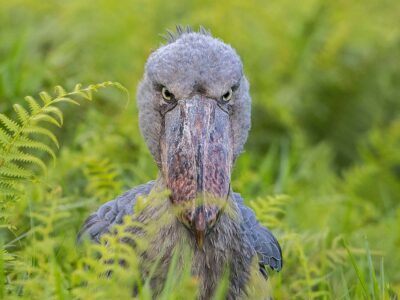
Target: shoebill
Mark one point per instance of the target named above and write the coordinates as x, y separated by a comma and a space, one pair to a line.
194, 114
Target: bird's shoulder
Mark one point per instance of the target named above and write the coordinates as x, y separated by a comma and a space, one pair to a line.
112, 212
261, 239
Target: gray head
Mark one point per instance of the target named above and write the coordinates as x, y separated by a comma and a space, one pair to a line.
194, 111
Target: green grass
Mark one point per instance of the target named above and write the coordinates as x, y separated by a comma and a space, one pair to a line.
321, 166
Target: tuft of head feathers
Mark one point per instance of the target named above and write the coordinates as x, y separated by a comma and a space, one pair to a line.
171, 36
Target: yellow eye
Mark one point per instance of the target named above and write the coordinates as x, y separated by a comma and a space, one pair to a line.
166, 94
227, 96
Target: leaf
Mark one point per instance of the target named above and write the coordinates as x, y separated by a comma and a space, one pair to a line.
46, 98
12, 170
77, 87
46, 118
31, 144
2, 270
23, 115
9, 124
4, 137
60, 91
34, 129
67, 100
56, 111
27, 158
7, 190
359, 274
33, 105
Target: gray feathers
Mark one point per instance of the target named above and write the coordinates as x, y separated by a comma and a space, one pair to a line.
112, 212
260, 239
264, 243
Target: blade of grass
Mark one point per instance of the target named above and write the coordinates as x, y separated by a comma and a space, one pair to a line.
382, 280
171, 276
344, 283
223, 286
360, 276
374, 289
58, 280
2, 277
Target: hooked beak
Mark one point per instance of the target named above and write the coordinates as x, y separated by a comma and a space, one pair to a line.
197, 158
200, 226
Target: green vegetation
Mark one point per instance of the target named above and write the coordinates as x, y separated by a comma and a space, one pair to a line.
321, 167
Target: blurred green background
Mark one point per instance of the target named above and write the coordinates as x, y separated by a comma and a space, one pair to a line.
322, 162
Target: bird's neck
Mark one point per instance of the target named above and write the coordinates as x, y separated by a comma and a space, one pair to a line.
224, 248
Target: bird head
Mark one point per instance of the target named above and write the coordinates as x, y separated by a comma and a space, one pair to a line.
194, 113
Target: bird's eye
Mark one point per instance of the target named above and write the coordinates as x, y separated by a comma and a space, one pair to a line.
227, 96
166, 94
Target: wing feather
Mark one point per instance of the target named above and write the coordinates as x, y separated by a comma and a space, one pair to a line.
112, 213
264, 243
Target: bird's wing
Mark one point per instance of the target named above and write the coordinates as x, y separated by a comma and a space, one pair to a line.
264, 243
112, 213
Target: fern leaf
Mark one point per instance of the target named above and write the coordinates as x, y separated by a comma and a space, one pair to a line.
9, 124
42, 131
4, 137
60, 91
23, 115
31, 144
56, 111
19, 146
65, 99
27, 158
88, 94
93, 87
7, 190
33, 105
12, 170
46, 98
85, 93
77, 87
46, 118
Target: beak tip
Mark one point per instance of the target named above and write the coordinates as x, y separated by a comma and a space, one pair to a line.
200, 239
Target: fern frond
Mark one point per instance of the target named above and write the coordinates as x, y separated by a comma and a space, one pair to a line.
46, 98
34, 129
33, 105
22, 114
270, 210
102, 178
9, 124
67, 100
60, 91
19, 156
19, 144
56, 111
28, 143
8, 191
13, 170
46, 118
5, 137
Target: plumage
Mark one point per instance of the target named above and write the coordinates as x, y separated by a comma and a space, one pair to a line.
194, 111
112, 212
